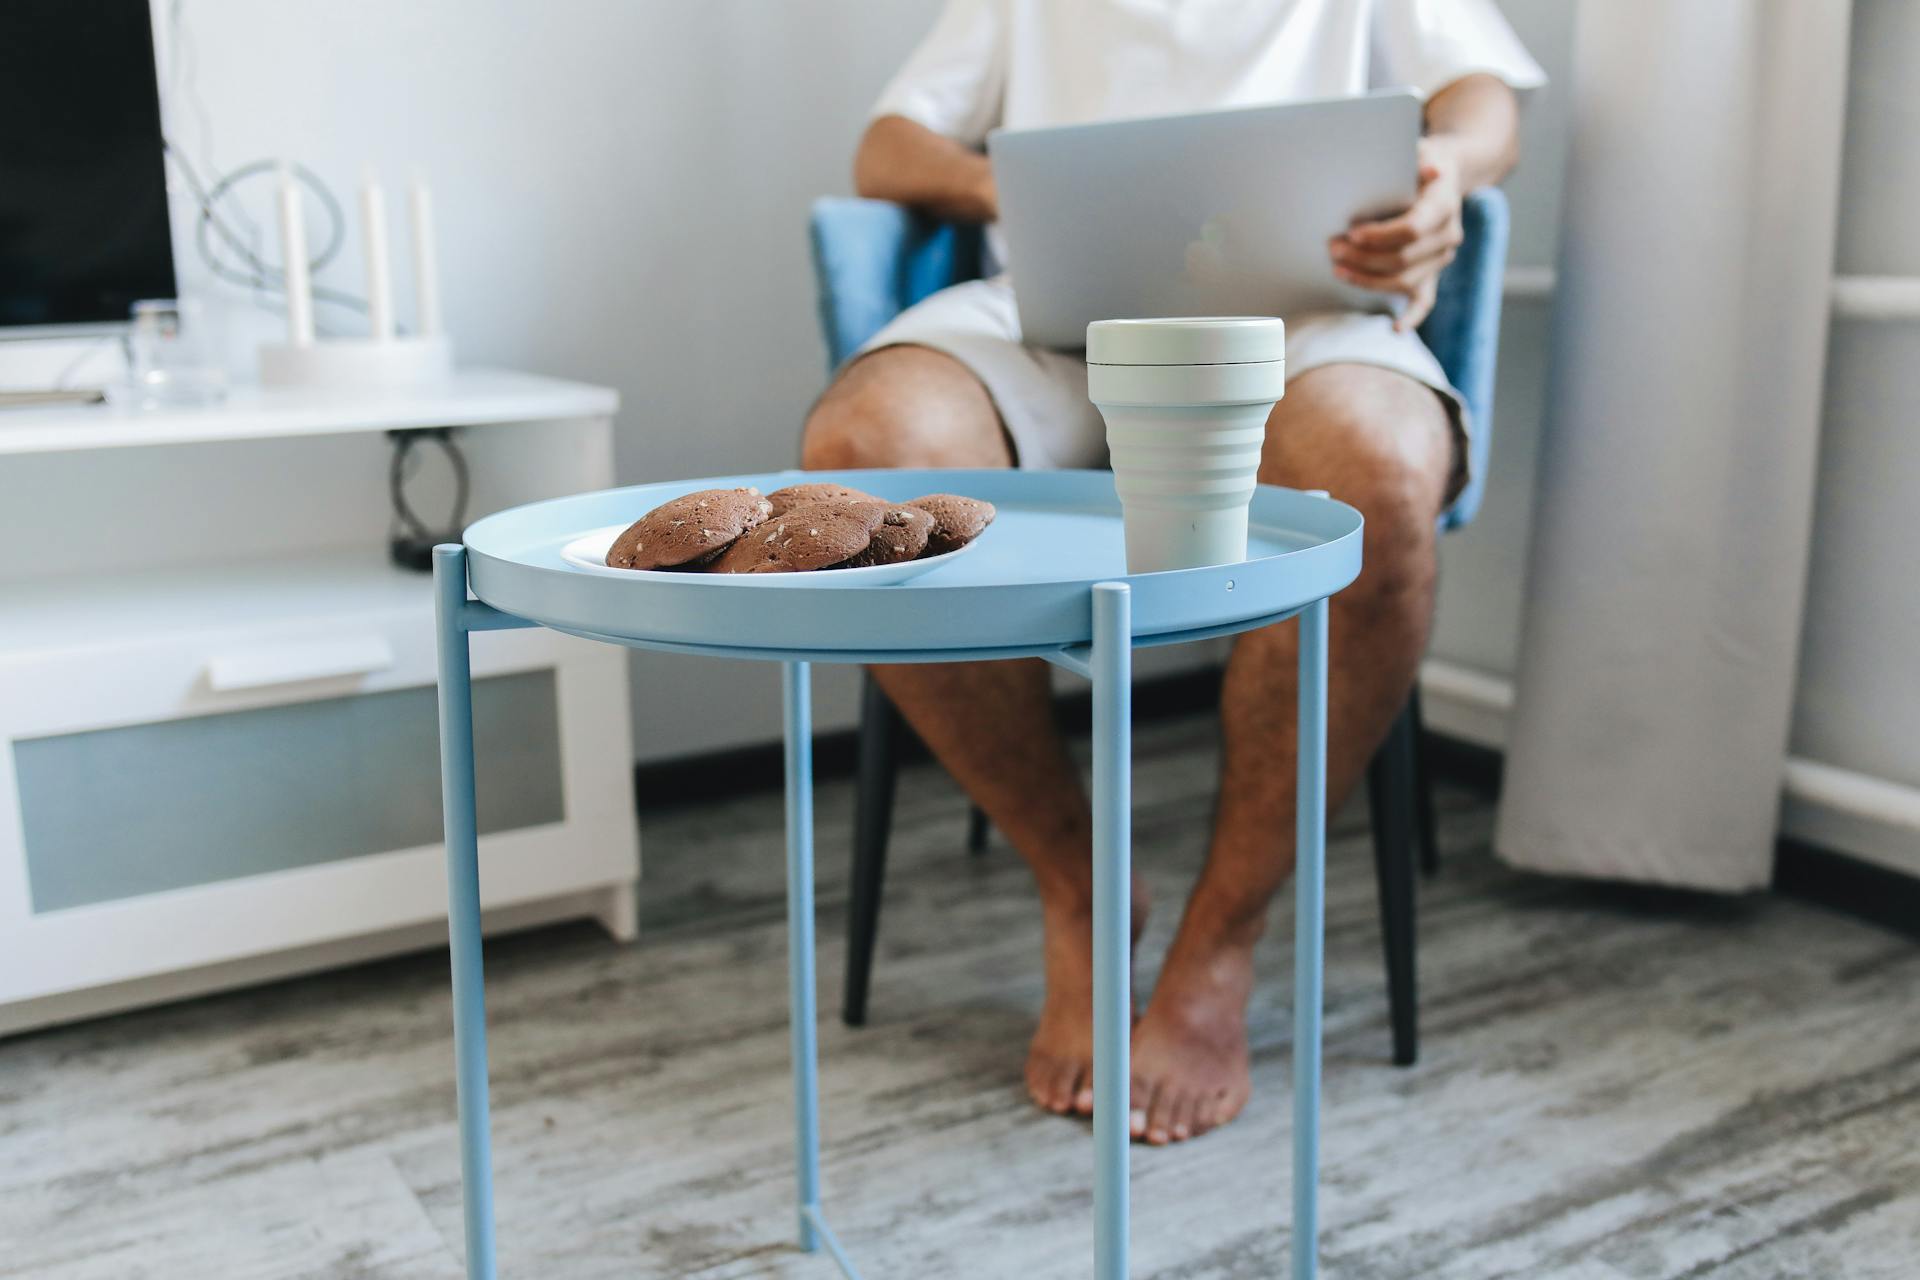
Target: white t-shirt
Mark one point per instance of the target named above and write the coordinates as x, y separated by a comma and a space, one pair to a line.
1022, 64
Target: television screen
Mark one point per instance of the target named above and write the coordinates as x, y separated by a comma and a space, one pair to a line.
83, 196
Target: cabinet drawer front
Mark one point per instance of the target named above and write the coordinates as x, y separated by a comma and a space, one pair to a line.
115, 813
292, 662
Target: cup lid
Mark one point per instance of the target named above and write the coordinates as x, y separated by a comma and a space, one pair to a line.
1187, 340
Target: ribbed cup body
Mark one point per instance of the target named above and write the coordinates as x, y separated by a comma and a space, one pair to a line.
1185, 443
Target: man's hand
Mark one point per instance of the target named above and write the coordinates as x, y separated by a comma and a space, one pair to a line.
1405, 254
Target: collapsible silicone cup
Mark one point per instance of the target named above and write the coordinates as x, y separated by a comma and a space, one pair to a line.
1185, 402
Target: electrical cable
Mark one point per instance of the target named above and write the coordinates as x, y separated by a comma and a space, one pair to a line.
254, 273
258, 273
411, 542
187, 106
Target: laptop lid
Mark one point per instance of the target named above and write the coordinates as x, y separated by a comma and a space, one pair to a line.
1214, 213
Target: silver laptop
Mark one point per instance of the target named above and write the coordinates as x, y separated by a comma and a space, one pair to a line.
1216, 213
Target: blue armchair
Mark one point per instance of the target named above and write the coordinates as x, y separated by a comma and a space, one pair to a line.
872, 260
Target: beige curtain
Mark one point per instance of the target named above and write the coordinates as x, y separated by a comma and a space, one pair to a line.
1666, 578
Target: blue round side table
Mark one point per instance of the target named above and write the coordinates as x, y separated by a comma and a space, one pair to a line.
1047, 580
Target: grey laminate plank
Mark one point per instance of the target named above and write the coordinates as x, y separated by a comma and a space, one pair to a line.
1612, 1085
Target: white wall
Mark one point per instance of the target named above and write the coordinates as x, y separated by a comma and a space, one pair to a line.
1859, 704
622, 188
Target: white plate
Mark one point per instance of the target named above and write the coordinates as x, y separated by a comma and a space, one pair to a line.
588, 553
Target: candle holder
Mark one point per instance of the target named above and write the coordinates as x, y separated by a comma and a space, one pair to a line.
358, 363
383, 360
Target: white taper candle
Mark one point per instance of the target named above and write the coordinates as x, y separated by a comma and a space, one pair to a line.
293, 253
426, 276
373, 229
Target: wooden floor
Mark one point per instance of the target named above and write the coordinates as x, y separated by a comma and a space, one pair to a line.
1613, 1085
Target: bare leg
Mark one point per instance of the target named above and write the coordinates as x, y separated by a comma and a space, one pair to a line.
990, 723
1381, 442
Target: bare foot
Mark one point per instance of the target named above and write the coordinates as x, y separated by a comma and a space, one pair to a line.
1190, 1069
1060, 1058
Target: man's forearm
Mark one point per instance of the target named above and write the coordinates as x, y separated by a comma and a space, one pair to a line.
1477, 119
909, 163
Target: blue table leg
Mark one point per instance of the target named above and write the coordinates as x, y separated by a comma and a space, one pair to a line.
798, 718
1112, 663
1310, 847
463, 905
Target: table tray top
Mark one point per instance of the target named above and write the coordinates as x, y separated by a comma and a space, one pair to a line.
1025, 588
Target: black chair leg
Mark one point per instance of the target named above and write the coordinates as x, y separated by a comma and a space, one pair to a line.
976, 830
872, 823
1423, 789
1390, 796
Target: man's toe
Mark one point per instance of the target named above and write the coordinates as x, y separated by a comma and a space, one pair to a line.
1160, 1114
1043, 1083
1223, 1105
1209, 1111
1184, 1107
1067, 1086
1036, 1083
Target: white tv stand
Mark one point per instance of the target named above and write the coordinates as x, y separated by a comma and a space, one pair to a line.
216, 727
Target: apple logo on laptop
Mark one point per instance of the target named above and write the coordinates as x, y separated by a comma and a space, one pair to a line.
1206, 254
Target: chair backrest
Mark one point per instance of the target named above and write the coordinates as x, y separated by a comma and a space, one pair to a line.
873, 260
1463, 332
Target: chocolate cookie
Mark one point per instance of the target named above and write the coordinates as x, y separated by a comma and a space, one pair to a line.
956, 520
687, 529
901, 535
799, 495
812, 536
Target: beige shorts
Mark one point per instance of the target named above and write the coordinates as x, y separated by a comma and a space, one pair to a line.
1042, 394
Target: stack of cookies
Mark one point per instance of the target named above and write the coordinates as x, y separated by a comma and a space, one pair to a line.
797, 529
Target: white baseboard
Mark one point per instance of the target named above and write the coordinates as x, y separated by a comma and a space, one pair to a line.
1853, 813
1465, 704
